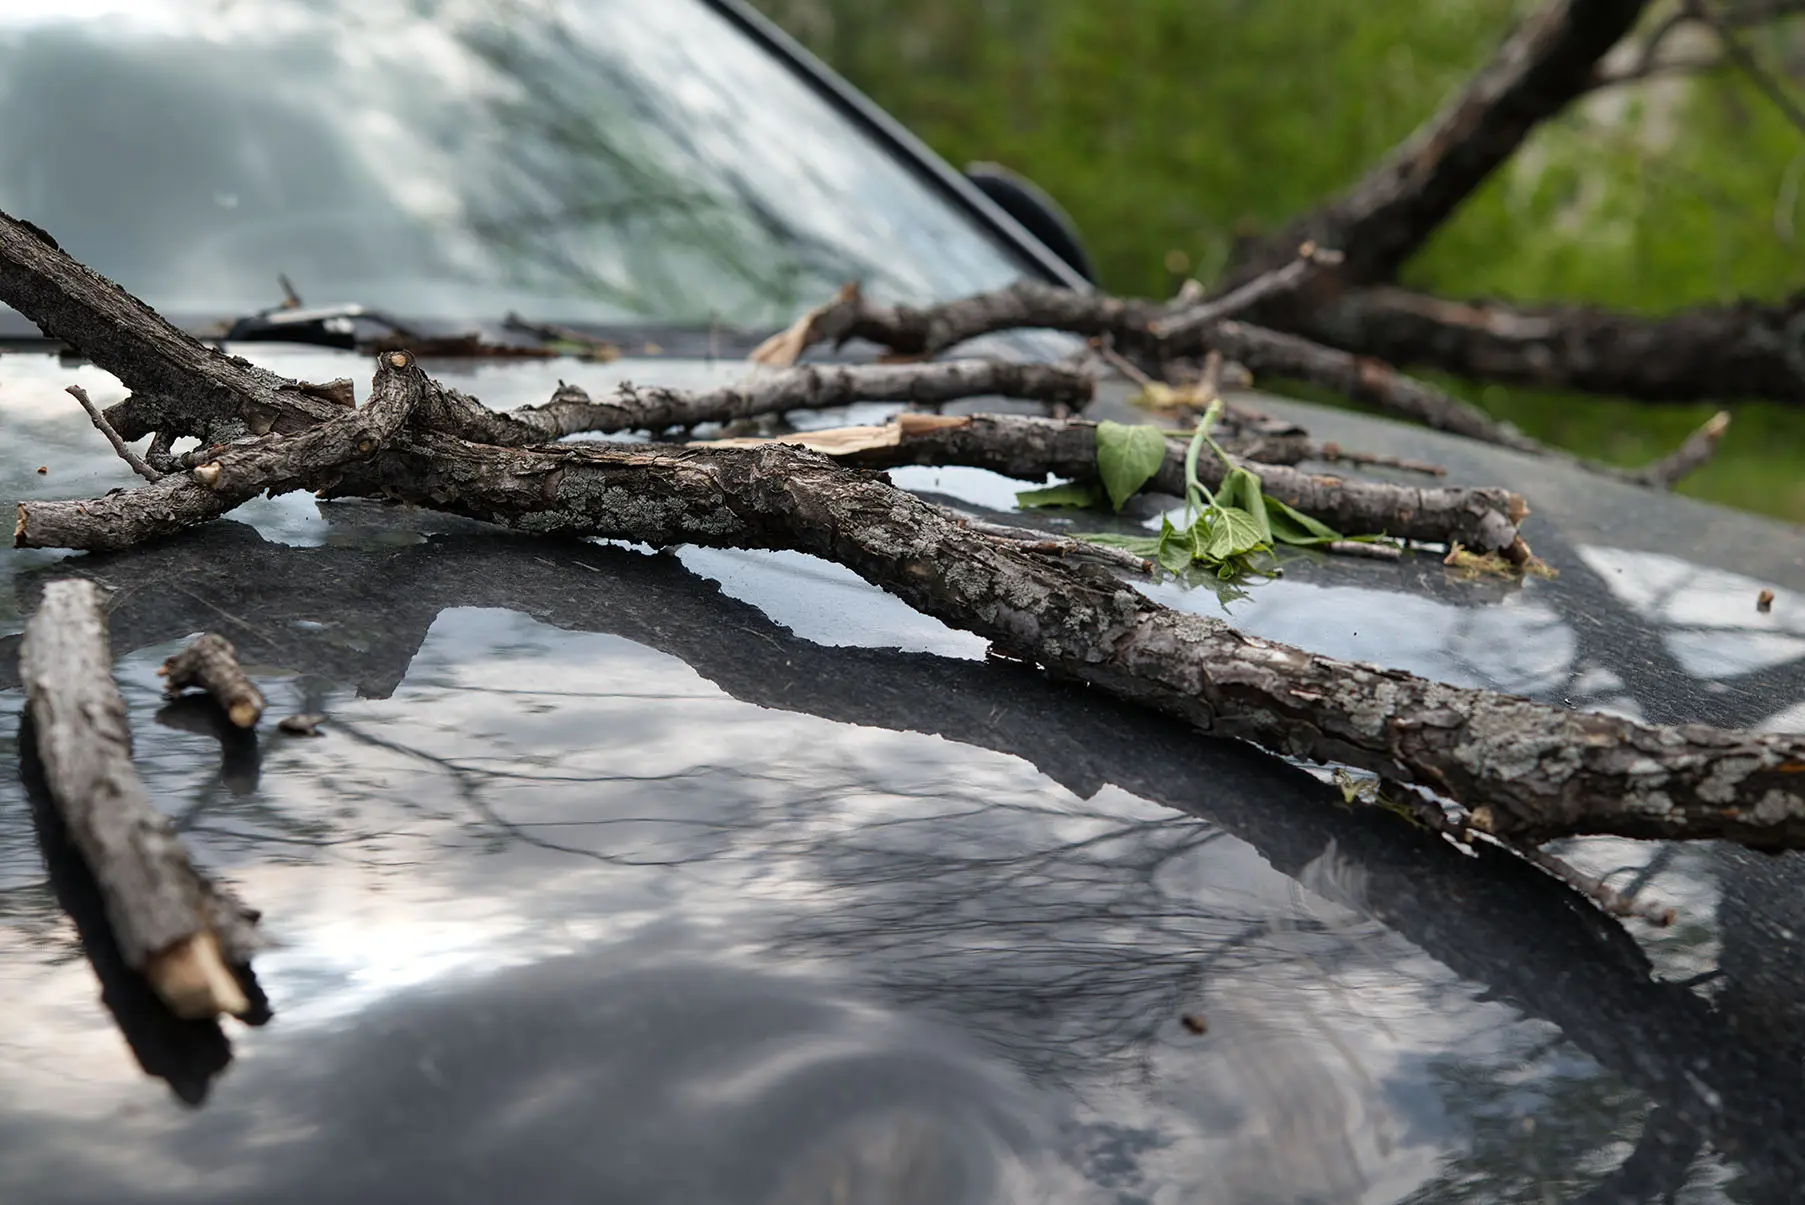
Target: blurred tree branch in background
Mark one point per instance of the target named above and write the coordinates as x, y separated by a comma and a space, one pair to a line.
1574, 167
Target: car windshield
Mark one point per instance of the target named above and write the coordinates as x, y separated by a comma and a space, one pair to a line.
575, 160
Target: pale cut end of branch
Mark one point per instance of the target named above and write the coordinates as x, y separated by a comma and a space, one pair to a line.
192, 978
19, 528
786, 347
208, 474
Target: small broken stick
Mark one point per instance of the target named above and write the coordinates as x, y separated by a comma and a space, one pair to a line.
172, 923
211, 663
301, 725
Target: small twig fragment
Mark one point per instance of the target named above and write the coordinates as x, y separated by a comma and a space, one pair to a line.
301, 725
1334, 452
1366, 549
1689, 457
211, 663
1764, 601
1310, 259
1592, 887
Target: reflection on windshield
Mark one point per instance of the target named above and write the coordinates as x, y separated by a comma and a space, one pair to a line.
575, 160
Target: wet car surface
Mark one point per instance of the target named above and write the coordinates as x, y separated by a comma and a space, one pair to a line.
713, 875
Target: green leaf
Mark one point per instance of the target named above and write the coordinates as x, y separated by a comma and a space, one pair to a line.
1177, 547
1291, 526
1241, 489
1232, 533
1066, 493
1128, 457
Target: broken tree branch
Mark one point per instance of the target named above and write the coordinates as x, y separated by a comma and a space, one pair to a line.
1746, 349
1029, 449
1524, 769
211, 663
181, 930
1380, 222
225, 394
1189, 323
908, 331
238, 473
1132, 326
571, 411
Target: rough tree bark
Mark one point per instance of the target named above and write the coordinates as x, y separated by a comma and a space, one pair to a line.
273, 463
1523, 770
1029, 449
1743, 350
180, 929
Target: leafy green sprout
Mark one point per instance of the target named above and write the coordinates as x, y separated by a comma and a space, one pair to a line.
1231, 532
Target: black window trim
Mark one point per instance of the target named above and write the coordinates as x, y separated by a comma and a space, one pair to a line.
896, 138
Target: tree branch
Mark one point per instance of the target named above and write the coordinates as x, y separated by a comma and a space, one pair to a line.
1744, 350
1380, 222
170, 921
105, 428
1029, 449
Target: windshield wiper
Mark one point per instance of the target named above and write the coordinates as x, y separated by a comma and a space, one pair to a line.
320, 325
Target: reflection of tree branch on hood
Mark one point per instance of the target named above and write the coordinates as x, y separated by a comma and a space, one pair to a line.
1490, 919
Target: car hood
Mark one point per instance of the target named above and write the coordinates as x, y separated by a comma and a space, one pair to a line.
722, 875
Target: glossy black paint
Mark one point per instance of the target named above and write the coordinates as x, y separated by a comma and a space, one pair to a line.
633, 877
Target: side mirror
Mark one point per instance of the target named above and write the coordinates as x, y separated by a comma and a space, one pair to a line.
1038, 213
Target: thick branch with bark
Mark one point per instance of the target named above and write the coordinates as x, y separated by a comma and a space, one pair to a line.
1547, 61
1524, 769
121, 334
1743, 350
172, 923
1029, 449
275, 463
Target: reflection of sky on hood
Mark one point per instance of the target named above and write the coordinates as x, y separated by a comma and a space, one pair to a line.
530, 795
560, 891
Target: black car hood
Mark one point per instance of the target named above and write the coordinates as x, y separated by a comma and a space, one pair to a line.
723, 876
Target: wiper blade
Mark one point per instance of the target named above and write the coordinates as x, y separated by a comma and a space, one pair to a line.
321, 325
565, 338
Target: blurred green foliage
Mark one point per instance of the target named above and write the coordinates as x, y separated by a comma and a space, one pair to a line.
1167, 126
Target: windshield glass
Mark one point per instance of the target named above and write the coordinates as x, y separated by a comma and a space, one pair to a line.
575, 160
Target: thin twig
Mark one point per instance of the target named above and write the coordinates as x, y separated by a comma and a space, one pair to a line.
1594, 888
1426, 811
1309, 259
1364, 549
1030, 540
1334, 452
1747, 63
119, 445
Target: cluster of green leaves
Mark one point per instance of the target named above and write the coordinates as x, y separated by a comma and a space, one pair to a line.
1169, 127
1230, 533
